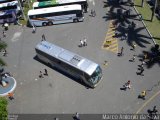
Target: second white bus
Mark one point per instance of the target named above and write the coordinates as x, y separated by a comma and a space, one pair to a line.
55, 15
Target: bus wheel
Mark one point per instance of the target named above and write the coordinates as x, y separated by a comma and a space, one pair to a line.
44, 24
75, 20
50, 23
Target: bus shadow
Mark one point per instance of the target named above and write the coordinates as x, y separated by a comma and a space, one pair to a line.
62, 72
30, 26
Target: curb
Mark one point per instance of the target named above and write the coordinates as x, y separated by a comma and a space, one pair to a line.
145, 26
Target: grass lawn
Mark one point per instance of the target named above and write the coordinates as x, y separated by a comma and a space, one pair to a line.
153, 27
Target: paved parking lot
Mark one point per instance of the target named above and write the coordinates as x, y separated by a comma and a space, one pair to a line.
57, 93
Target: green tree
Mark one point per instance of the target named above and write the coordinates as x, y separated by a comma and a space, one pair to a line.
3, 108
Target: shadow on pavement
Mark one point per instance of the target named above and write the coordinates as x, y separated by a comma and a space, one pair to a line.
122, 19
156, 38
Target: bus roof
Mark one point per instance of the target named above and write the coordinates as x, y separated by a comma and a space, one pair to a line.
54, 2
5, 12
6, 4
73, 59
54, 9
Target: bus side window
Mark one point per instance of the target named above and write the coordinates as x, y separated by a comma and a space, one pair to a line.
79, 14
59, 62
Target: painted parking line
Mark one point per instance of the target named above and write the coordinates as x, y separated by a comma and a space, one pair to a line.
148, 101
111, 32
110, 43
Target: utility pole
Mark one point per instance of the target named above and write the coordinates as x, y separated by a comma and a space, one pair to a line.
154, 9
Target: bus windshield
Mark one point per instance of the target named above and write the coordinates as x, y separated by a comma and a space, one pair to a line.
96, 76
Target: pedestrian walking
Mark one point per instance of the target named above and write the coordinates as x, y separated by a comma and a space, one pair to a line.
145, 56
4, 33
76, 117
142, 65
133, 46
105, 62
5, 52
40, 75
43, 37
6, 26
128, 84
81, 43
121, 52
93, 13
84, 42
133, 58
142, 95
34, 29
125, 36
45, 72
10, 96
154, 110
141, 71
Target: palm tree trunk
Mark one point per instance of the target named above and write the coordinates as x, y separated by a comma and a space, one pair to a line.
142, 3
153, 11
20, 4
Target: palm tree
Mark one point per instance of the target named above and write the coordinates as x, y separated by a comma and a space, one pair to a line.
154, 9
20, 4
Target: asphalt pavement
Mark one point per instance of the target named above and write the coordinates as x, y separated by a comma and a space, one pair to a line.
58, 93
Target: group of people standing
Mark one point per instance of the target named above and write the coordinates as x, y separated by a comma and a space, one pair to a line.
83, 42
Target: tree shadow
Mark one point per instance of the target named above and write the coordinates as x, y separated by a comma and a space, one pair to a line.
137, 5
110, 16
149, 20
157, 38
153, 57
134, 36
113, 4
122, 21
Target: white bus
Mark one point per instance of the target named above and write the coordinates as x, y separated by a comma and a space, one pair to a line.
53, 3
72, 64
55, 15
